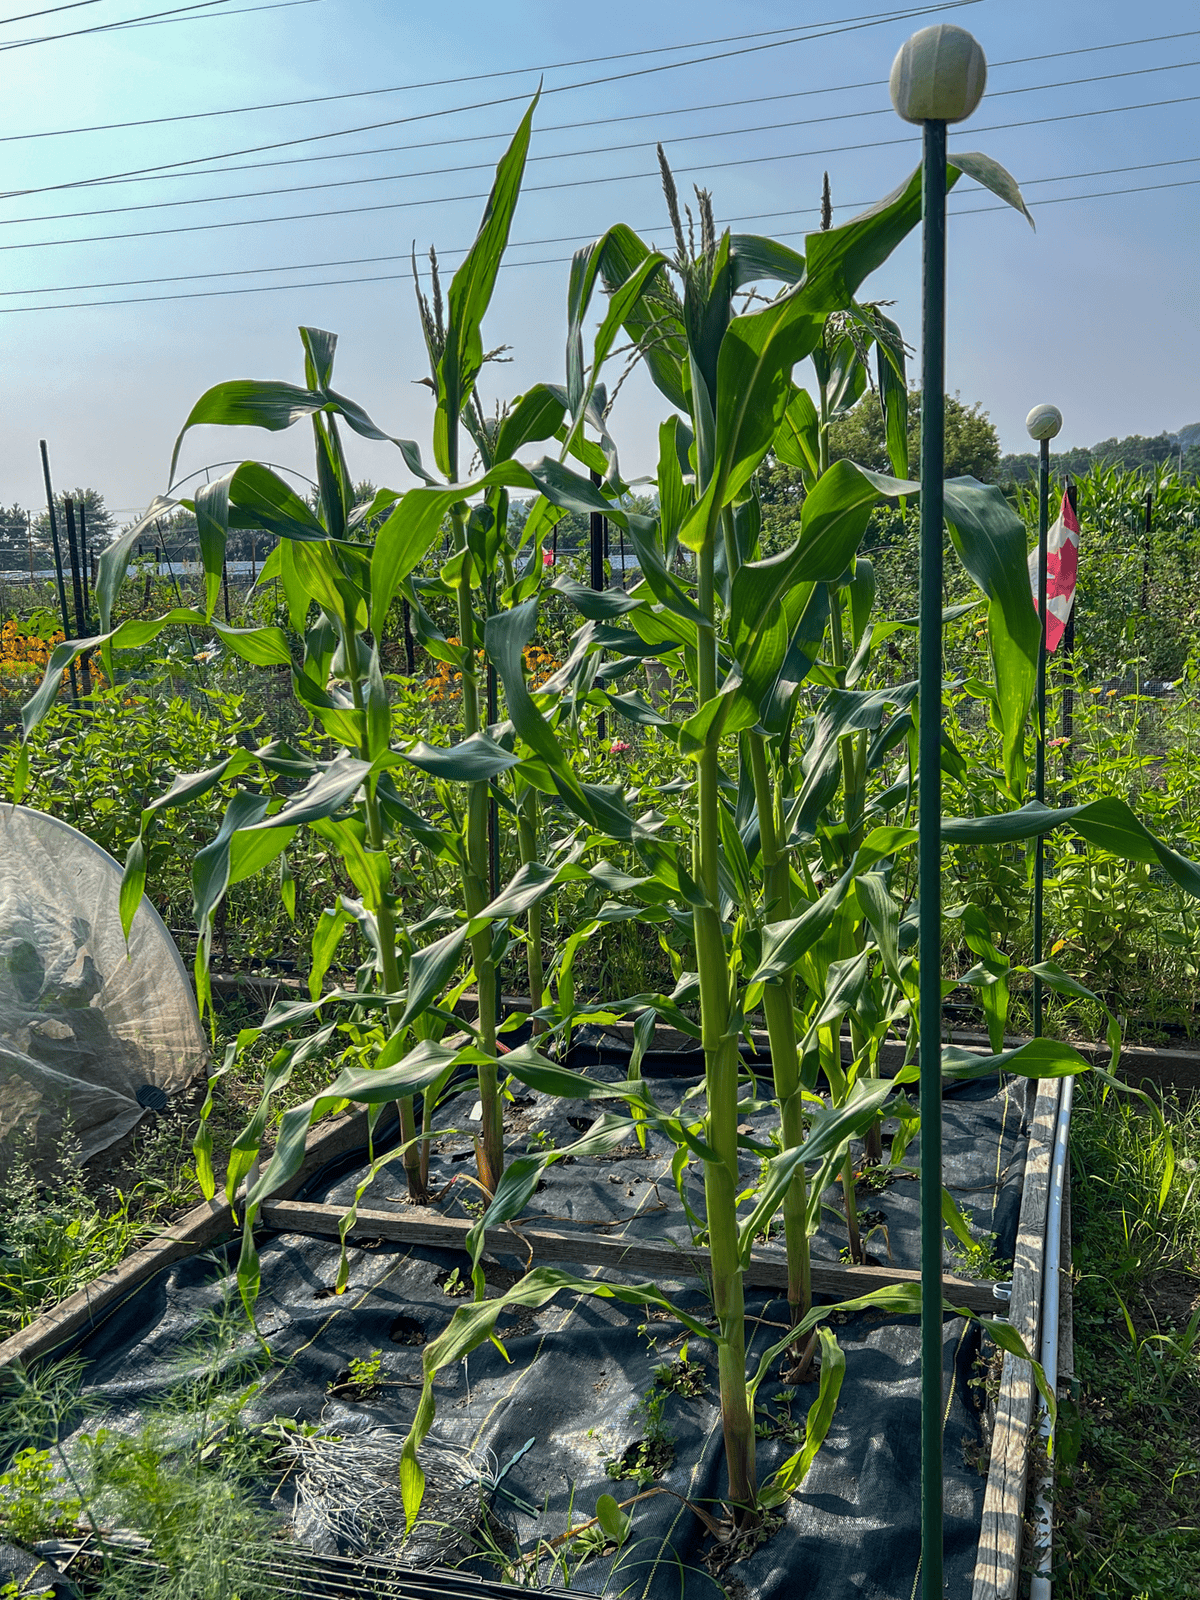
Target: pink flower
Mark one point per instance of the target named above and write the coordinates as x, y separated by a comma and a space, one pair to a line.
619, 748
547, 558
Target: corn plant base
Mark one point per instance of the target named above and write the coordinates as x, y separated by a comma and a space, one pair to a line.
573, 1374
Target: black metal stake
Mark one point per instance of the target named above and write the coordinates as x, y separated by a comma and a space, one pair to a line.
58, 566
1039, 771
1145, 606
929, 824
83, 563
81, 627
597, 529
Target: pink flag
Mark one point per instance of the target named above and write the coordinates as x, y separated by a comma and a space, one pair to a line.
1062, 564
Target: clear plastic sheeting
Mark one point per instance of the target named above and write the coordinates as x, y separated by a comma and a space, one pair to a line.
91, 1032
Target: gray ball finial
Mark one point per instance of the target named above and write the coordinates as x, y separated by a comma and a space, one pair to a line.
939, 75
1043, 422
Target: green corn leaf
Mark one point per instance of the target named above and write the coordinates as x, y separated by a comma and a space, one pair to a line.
784, 943
429, 971
990, 540
794, 1470
754, 387
893, 395
323, 795
259, 498
210, 869
838, 259
597, 605
114, 559
755, 258
470, 295
472, 1324
1107, 823
538, 414
655, 324
245, 403
474, 760
797, 443
133, 884
993, 176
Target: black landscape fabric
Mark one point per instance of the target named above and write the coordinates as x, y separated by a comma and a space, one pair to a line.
561, 1397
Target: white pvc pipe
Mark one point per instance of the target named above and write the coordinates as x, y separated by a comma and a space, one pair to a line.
1043, 1516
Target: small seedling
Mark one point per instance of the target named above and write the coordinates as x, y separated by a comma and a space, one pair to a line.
781, 1425
365, 1370
682, 1377
541, 1139
649, 1457
455, 1285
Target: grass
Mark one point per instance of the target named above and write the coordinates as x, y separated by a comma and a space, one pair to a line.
1128, 1479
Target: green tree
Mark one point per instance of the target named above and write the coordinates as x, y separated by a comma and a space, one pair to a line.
972, 450
14, 539
972, 443
98, 520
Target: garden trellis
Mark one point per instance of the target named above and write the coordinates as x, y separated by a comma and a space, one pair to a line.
780, 863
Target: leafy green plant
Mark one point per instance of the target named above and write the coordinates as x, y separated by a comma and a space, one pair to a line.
32, 1502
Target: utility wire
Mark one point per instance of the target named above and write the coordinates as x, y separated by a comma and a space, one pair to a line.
599, 122
481, 105
28, 16
563, 155
392, 277
155, 19
449, 256
573, 183
479, 77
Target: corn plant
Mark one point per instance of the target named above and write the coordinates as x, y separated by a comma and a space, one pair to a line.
775, 889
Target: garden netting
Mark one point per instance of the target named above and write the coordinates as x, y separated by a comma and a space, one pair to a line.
93, 1033
528, 1430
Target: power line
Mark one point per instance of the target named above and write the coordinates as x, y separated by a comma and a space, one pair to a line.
477, 77
516, 244
851, 26
564, 155
154, 19
28, 16
574, 183
629, 116
393, 277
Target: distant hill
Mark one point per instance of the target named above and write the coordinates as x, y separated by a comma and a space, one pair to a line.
1134, 452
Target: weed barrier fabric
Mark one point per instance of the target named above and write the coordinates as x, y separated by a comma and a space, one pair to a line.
91, 1030
561, 1398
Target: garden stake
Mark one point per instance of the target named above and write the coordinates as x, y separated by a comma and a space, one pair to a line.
84, 566
1043, 423
58, 566
938, 77
596, 528
929, 759
77, 592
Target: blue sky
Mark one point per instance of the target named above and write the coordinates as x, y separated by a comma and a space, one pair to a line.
1096, 311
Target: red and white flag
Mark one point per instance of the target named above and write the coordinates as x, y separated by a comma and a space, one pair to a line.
1062, 565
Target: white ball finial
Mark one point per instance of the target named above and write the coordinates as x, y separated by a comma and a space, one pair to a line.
1043, 422
939, 75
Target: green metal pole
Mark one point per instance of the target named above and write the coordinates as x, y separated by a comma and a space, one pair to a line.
1039, 777
929, 822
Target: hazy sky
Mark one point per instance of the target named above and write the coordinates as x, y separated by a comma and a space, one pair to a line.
1096, 311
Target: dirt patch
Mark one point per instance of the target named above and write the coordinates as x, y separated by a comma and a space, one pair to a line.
1170, 1300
